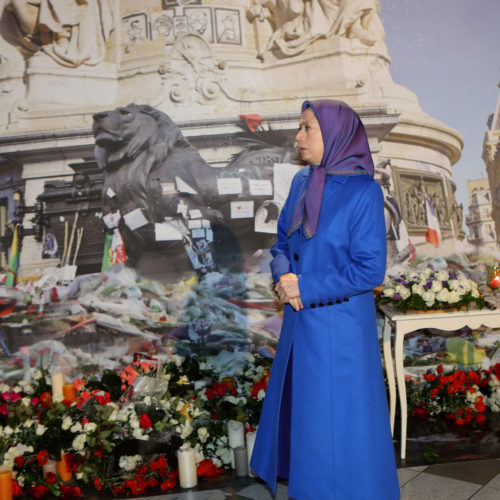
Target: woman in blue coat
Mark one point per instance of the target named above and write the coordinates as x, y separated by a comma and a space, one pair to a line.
325, 423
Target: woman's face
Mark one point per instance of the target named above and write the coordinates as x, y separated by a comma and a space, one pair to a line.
310, 139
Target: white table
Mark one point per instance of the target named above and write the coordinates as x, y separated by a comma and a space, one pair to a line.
405, 323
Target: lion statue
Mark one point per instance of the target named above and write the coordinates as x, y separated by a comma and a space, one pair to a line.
151, 174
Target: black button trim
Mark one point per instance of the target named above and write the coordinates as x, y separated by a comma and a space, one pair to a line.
346, 299
329, 303
313, 306
321, 304
338, 301
296, 256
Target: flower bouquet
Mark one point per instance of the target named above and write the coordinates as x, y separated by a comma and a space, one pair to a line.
431, 290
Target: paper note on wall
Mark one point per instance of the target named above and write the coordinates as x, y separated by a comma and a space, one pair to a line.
135, 219
168, 188
283, 176
241, 209
229, 185
195, 214
166, 232
198, 233
112, 220
194, 224
260, 187
183, 186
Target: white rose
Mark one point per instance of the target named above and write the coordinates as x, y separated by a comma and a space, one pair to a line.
405, 293
417, 289
202, 434
8, 430
442, 275
454, 284
90, 427
429, 298
261, 395
436, 286
40, 430
138, 434
454, 297
388, 292
79, 441
443, 295
177, 360
66, 423
185, 429
76, 428
475, 293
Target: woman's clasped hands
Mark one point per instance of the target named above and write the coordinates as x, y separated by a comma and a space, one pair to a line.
288, 291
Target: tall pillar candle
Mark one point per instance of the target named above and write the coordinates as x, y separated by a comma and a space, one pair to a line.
250, 442
236, 436
57, 386
188, 477
6, 484
241, 461
62, 468
69, 392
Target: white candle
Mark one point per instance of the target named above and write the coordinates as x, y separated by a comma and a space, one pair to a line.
250, 442
241, 461
50, 466
188, 477
236, 435
57, 386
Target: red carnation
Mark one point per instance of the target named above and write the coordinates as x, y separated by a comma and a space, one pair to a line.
42, 457
97, 484
38, 491
145, 421
50, 478
19, 461
168, 484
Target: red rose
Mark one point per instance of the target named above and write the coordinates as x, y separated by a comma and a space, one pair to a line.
152, 482
50, 478
434, 392
76, 491
460, 421
479, 405
46, 399
430, 377
168, 484
210, 394
480, 419
97, 484
145, 421
420, 412
19, 461
42, 457
440, 369
208, 469
16, 488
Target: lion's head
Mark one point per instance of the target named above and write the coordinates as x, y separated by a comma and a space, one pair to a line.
122, 133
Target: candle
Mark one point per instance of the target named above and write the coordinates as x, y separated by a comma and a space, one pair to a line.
495, 282
236, 435
241, 461
188, 477
250, 442
50, 466
57, 386
6, 485
62, 468
69, 392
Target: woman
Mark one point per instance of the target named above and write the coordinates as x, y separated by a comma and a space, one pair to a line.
325, 422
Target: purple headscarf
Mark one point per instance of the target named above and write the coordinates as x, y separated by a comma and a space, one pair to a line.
346, 151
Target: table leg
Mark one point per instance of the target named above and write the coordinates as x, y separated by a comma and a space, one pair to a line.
389, 370
400, 377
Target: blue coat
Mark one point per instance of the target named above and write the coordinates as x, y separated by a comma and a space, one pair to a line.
325, 420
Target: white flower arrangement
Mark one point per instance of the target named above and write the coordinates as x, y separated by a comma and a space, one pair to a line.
430, 290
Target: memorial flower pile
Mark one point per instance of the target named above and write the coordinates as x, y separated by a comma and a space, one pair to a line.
461, 396
121, 432
431, 290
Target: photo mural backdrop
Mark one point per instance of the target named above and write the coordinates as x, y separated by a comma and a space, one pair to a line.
146, 152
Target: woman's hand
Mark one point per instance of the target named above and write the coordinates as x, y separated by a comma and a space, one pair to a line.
288, 291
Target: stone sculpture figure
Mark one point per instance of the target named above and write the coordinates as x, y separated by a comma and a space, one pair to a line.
71, 32
298, 23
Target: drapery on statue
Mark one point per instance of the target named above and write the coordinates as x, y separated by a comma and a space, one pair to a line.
72, 32
298, 23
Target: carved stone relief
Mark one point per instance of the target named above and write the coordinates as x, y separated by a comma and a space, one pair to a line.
298, 23
191, 72
71, 32
412, 189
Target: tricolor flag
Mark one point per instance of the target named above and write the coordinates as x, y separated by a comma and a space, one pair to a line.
13, 260
433, 235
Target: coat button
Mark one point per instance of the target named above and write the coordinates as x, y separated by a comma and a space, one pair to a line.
313, 306
329, 303
346, 299
338, 301
321, 304
296, 256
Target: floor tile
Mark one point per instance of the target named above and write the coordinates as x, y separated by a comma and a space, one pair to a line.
419, 468
429, 486
494, 483
479, 472
257, 492
486, 494
405, 475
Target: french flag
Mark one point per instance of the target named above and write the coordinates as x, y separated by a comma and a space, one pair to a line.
433, 235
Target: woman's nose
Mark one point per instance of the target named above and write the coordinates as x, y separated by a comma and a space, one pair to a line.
299, 135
